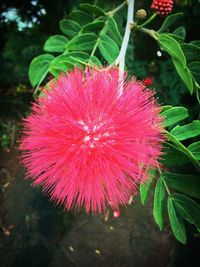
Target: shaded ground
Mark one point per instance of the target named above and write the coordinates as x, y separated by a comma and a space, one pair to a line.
43, 235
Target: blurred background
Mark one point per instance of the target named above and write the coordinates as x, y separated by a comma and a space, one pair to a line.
33, 232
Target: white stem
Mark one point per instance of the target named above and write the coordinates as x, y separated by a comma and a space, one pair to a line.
122, 54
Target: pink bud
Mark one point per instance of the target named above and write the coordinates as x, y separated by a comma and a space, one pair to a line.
116, 214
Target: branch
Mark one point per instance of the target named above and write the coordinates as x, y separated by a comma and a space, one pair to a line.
122, 54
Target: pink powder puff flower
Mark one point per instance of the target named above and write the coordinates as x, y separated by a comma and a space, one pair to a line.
88, 146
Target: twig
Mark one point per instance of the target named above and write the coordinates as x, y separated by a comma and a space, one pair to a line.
148, 21
150, 32
112, 12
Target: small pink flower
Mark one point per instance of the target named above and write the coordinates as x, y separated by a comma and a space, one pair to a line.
88, 146
162, 7
116, 214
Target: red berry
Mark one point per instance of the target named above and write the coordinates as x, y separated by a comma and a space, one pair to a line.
162, 7
148, 81
116, 214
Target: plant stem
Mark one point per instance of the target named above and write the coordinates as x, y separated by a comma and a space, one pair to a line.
94, 48
150, 32
122, 54
166, 187
148, 21
112, 12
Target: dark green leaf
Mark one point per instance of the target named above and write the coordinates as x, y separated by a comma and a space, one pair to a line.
195, 69
108, 48
190, 207
173, 115
186, 131
169, 21
181, 32
183, 213
173, 156
93, 9
183, 149
191, 52
93, 27
188, 184
69, 27
159, 203
196, 43
84, 42
55, 43
146, 186
195, 149
39, 68
176, 222
80, 17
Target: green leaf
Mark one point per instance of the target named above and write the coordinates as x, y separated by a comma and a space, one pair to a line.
183, 213
159, 203
176, 222
146, 186
190, 206
111, 29
188, 184
176, 37
169, 21
181, 32
94, 60
173, 156
195, 69
196, 43
77, 54
172, 47
55, 43
93, 27
66, 62
69, 27
84, 42
93, 9
39, 68
183, 149
61, 64
173, 115
108, 48
186, 131
185, 74
164, 108
192, 52
195, 149
80, 17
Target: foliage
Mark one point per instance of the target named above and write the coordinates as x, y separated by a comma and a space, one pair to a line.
91, 36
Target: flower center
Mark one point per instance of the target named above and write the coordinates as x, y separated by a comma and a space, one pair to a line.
94, 136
